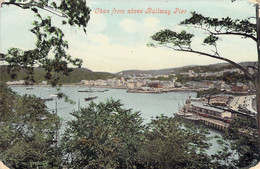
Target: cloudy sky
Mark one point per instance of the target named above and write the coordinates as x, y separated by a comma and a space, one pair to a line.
116, 42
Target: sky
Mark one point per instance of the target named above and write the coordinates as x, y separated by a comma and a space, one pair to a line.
118, 41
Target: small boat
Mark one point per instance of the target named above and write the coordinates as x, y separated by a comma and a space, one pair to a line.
47, 99
89, 91
29, 88
90, 98
103, 90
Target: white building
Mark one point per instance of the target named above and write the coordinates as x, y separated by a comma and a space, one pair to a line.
43, 83
20, 82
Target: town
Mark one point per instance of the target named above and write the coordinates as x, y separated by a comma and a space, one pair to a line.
147, 83
214, 110
217, 102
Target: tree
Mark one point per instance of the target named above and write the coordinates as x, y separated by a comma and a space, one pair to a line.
208, 92
214, 28
242, 137
50, 48
103, 135
175, 144
27, 132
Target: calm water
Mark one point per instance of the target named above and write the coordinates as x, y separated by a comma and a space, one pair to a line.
150, 105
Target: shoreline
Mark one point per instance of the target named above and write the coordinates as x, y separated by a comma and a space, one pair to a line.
134, 90
113, 87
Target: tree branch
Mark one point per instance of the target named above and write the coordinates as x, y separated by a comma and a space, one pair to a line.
217, 32
11, 3
28, 5
219, 58
54, 11
236, 33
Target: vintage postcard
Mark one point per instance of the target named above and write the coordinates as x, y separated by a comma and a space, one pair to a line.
129, 84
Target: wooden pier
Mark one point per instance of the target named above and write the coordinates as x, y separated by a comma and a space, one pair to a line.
216, 124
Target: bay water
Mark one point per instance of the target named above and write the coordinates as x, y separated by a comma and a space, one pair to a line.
149, 104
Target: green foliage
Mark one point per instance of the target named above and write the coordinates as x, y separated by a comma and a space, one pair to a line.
176, 39
103, 135
73, 12
75, 76
175, 145
242, 134
163, 78
203, 69
76, 11
213, 27
211, 40
222, 25
27, 132
50, 51
229, 78
208, 92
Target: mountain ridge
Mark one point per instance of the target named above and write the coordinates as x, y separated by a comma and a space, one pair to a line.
79, 74
176, 70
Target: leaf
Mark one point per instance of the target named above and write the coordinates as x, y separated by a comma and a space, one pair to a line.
211, 40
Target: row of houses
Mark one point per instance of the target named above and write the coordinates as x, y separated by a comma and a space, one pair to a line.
130, 83
220, 85
23, 82
144, 76
191, 73
135, 83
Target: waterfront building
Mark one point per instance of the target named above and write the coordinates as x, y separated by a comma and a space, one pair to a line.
135, 83
177, 84
20, 82
206, 110
89, 82
130, 84
43, 83
98, 82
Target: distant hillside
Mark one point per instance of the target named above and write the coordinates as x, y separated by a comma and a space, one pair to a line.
151, 72
85, 74
75, 76
195, 68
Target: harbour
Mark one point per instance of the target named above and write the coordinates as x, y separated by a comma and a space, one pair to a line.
150, 105
209, 113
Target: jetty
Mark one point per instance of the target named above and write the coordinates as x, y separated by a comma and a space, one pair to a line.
214, 116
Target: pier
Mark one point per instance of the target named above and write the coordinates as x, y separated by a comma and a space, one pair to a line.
207, 121
216, 124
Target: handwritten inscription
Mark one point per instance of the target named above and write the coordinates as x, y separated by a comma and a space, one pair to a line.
147, 11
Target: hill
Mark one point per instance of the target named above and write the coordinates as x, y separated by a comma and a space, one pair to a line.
75, 76
79, 74
195, 68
